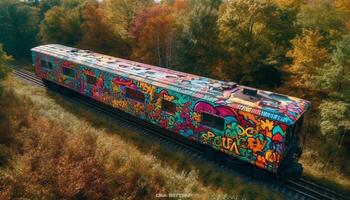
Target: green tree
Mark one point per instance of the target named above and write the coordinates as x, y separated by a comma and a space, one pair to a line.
46, 5
334, 77
336, 74
98, 33
4, 60
62, 24
18, 27
256, 35
335, 118
323, 16
200, 49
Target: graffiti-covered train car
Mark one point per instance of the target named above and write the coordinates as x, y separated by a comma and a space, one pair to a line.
252, 125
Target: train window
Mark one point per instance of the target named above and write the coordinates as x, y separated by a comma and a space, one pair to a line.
43, 64
46, 65
213, 121
168, 106
68, 71
135, 95
91, 79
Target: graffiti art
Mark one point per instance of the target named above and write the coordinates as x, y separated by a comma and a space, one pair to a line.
242, 122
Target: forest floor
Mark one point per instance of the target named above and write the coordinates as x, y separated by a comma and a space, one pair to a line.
55, 148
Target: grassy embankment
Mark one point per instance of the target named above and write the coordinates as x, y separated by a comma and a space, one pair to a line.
53, 149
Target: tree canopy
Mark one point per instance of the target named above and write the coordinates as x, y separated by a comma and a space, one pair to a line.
256, 35
19, 27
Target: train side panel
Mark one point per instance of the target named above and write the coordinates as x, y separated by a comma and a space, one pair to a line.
243, 135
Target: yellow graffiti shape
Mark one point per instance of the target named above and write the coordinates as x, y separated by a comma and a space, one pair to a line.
266, 124
139, 108
211, 134
271, 156
168, 97
147, 88
249, 132
119, 103
230, 144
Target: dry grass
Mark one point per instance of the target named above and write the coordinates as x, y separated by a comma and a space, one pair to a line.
59, 150
315, 168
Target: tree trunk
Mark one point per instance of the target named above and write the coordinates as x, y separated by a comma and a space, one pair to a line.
158, 51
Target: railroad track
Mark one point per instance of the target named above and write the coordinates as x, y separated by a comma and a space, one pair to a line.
294, 188
312, 190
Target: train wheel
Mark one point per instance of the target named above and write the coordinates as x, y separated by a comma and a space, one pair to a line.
65, 91
294, 169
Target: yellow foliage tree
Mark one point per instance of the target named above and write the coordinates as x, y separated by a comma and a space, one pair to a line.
308, 56
121, 13
343, 5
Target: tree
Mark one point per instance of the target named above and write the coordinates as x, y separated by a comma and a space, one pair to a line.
343, 5
323, 17
99, 34
46, 5
308, 56
336, 74
154, 31
62, 24
200, 49
335, 118
256, 37
122, 12
334, 77
18, 27
4, 60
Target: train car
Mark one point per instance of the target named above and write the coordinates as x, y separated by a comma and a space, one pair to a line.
252, 125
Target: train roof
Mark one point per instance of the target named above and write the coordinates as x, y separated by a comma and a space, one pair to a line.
273, 106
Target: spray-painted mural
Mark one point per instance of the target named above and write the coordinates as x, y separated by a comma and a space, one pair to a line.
253, 131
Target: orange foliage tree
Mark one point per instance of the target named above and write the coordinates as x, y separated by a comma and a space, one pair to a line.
154, 31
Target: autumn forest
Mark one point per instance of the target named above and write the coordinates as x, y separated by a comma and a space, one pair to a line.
296, 47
